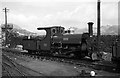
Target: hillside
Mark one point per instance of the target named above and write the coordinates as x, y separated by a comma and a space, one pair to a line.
110, 30
18, 29
105, 30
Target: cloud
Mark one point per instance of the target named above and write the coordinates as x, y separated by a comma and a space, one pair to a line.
24, 21
81, 15
109, 13
58, 0
69, 13
22, 18
76, 17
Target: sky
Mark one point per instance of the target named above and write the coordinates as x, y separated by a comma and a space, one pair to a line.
31, 14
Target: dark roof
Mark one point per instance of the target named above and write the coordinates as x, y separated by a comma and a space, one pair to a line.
42, 28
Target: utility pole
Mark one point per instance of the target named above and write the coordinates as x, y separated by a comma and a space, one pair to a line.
5, 10
98, 25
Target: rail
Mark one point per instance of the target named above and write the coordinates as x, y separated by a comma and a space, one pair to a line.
11, 65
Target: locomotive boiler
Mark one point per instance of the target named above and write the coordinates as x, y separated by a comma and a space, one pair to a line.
58, 43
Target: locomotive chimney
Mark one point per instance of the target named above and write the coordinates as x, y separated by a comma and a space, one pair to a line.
90, 28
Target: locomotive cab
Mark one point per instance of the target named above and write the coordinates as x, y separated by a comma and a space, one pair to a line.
57, 31
44, 44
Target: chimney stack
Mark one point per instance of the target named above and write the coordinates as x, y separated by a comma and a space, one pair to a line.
90, 28
98, 25
98, 19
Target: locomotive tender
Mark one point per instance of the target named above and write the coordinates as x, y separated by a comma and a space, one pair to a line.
57, 42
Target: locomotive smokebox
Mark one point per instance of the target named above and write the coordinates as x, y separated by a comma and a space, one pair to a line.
90, 28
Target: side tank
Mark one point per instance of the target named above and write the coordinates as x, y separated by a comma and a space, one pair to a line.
68, 39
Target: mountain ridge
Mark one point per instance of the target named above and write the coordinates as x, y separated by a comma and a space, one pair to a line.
17, 28
105, 30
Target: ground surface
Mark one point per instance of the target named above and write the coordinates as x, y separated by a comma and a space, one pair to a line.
52, 68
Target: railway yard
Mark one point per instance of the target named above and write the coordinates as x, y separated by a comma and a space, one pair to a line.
19, 63
60, 52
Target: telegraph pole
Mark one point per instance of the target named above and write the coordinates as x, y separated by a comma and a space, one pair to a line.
5, 10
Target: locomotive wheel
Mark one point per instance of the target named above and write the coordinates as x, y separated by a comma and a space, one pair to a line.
30, 51
71, 55
79, 54
94, 56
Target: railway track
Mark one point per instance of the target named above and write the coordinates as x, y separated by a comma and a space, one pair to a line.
97, 65
14, 69
5, 71
83, 62
11, 68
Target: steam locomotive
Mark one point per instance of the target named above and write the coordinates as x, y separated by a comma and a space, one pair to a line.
58, 43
